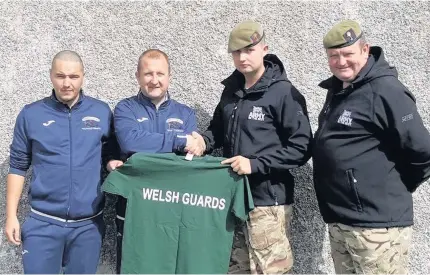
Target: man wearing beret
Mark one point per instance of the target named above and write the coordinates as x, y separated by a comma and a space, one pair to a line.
371, 151
262, 124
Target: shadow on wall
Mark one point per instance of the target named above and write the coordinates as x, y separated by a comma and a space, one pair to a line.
308, 227
10, 255
203, 119
108, 253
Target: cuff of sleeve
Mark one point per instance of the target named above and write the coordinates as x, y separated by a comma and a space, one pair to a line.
17, 171
208, 149
108, 158
180, 142
254, 165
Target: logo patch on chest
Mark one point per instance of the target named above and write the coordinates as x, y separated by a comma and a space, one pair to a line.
91, 123
174, 124
142, 119
49, 122
345, 118
256, 113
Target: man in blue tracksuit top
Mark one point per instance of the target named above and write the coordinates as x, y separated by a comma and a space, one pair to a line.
151, 121
68, 139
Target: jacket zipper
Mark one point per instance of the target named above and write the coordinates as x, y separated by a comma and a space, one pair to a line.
157, 113
353, 181
234, 117
327, 110
351, 177
326, 113
274, 194
156, 121
71, 161
235, 127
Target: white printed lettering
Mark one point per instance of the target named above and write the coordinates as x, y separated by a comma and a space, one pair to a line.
222, 204
147, 194
186, 198
155, 195
200, 201
208, 201
175, 197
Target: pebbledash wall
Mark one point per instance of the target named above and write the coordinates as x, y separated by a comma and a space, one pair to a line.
110, 35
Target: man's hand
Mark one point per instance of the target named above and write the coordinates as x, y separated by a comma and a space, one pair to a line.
13, 230
240, 165
195, 144
113, 164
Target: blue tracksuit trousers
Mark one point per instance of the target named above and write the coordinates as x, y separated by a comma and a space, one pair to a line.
52, 248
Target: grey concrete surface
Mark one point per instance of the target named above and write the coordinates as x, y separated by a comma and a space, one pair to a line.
110, 35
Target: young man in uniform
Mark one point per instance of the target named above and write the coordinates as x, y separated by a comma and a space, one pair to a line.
371, 152
261, 122
66, 137
151, 121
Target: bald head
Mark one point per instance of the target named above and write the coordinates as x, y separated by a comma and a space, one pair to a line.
67, 76
69, 56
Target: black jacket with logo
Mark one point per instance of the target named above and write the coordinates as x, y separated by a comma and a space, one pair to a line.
371, 149
267, 123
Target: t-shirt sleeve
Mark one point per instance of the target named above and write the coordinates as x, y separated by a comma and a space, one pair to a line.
116, 182
242, 200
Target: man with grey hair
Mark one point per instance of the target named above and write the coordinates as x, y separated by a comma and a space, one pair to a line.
371, 151
68, 139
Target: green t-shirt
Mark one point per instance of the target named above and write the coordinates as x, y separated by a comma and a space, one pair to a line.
181, 214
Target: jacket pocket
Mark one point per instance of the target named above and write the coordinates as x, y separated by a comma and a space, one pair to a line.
272, 192
49, 189
352, 181
25, 227
86, 196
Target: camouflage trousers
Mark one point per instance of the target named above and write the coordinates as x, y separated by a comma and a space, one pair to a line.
262, 246
369, 250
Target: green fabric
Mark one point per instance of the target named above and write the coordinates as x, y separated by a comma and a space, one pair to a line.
343, 34
245, 34
181, 214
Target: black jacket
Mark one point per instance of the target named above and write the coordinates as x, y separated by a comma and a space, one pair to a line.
371, 149
268, 124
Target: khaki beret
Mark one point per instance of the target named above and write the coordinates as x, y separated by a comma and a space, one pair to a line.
343, 34
246, 34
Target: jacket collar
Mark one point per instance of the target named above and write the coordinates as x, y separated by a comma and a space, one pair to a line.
54, 102
144, 100
272, 73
